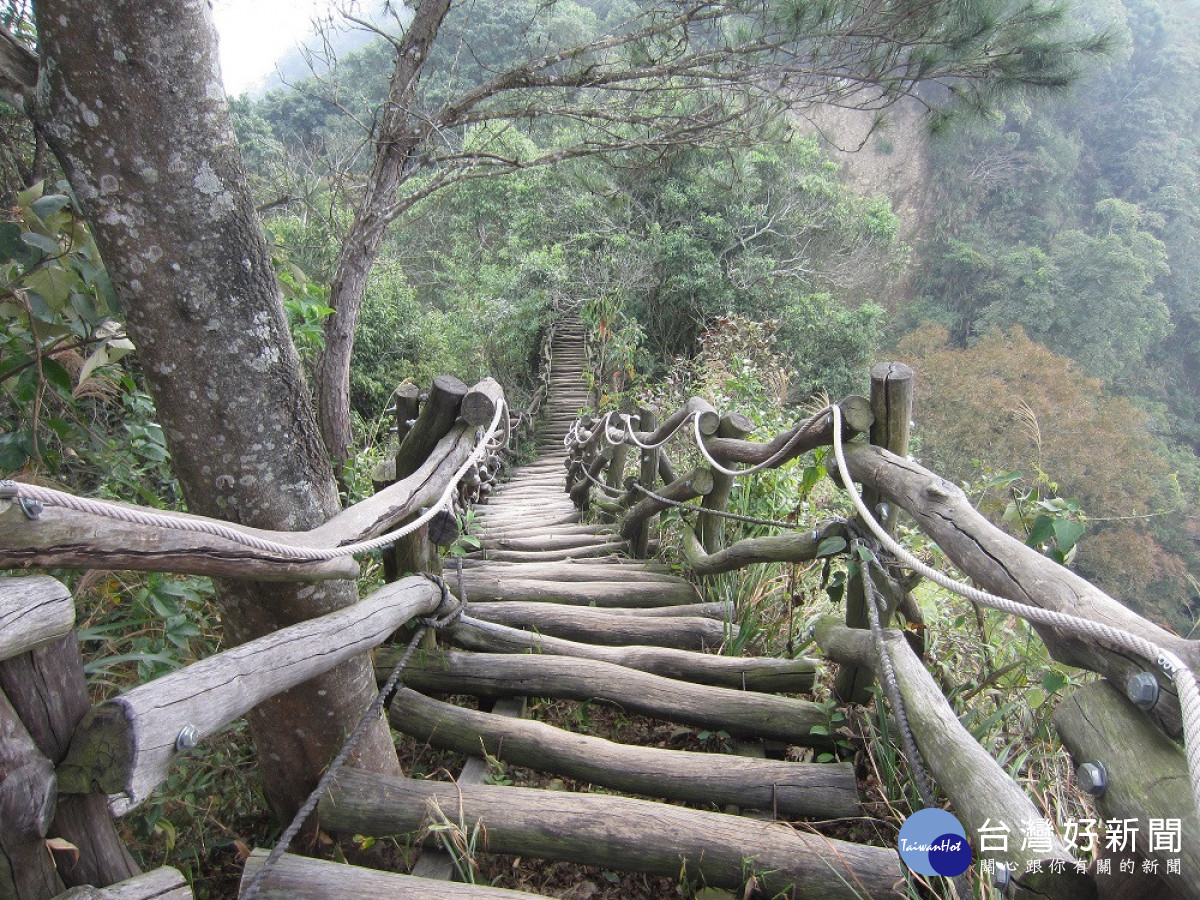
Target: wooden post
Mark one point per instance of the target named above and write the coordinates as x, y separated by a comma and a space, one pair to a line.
712, 528
28, 792
697, 483
891, 405
415, 553
1147, 773
408, 407
48, 691
647, 475
979, 789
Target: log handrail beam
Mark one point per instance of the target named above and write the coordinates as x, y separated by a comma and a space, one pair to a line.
124, 746
82, 537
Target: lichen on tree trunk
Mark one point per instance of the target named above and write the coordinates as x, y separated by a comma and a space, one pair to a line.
130, 100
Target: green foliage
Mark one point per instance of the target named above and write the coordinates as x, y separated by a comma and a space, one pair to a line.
59, 379
1007, 404
1075, 217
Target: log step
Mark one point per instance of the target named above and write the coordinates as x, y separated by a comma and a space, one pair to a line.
619, 833
594, 626
484, 587
787, 789
303, 878
495, 675
763, 674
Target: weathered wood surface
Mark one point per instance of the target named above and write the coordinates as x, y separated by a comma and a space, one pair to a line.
163, 883
568, 570
809, 434
594, 625
48, 690
522, 613
125, 745
33, 611
709, 421
697, 483
1147, 773
479, 405
435, 420
504, 675
647, 476
434, 861
303, 878
1004, 566
63, 537
543, 542
28, 792
620, 833
891, 407
786, 789
712, 528
596, 551
978, 788
797, 546
629, 591
763, 674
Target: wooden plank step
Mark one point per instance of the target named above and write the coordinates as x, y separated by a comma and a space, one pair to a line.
621, 833
496, 675
602, 550
485, 587
434, 861
787, 789
591, 625
574, 570
305, 878
764, 674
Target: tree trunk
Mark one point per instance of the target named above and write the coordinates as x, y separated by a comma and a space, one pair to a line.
376, 210
131, 102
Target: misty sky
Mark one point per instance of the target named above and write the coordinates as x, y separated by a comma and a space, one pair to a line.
256, 33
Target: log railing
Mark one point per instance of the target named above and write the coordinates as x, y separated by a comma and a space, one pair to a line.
966, 772
66, 767
65, 763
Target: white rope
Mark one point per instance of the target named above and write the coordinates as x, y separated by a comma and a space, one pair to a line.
1180, 673
628, 421
50, 497
771, 461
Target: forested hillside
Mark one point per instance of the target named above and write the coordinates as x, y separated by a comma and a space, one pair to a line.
1068, 215
209, 304
1074, 218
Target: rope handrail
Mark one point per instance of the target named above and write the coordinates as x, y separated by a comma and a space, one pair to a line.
1181, 675
1178, 671
22, 492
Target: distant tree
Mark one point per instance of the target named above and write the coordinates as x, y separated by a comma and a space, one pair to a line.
1009, 404
1092, 297
128, 96
656, 75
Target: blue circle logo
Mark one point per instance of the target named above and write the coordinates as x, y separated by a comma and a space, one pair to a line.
933, 842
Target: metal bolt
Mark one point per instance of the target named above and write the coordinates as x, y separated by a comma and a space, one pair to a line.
187, 738
32, 508
1142, 689
1092, 778
1001, 877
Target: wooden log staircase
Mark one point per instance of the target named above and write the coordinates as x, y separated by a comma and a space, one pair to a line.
556, 609
570, 612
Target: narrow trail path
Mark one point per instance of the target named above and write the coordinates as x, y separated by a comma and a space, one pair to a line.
557, 610
533, 547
